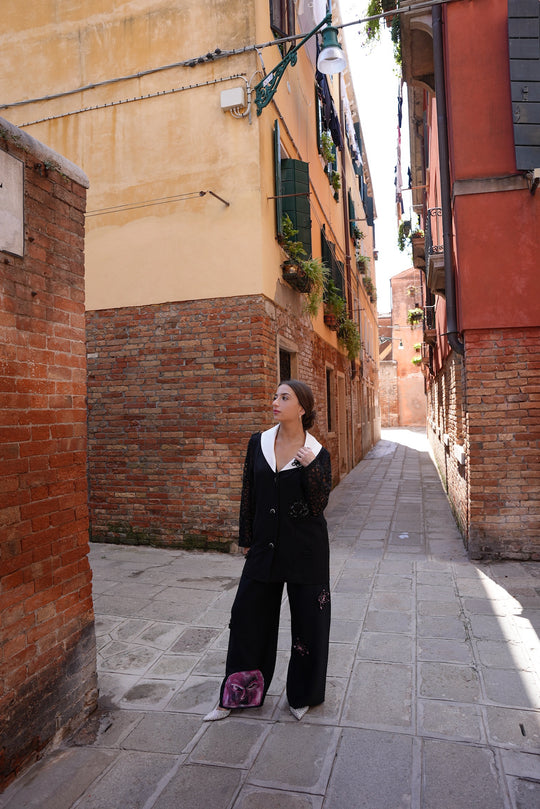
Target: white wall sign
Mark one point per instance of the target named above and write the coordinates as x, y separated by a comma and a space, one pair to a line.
11, 204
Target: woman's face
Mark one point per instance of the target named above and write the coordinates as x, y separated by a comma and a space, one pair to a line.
286, 406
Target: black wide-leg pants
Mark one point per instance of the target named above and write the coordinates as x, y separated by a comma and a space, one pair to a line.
254, 631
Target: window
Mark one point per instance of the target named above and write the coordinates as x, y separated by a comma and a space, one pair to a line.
284, 364
282, 17
328, 251
292, 192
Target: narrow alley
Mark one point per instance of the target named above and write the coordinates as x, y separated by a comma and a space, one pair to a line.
433, 694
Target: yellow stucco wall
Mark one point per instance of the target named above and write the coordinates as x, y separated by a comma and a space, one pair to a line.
171, 146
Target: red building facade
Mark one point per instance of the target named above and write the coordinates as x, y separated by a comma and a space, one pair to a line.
475, 157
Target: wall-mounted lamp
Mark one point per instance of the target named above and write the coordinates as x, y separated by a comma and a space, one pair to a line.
330, 60
383, 339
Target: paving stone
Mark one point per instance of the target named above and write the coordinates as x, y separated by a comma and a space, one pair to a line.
57, 781
232, 742
257, 798
373, 770
526, 793
512, 687
173, 666
194, 639
196, 786
131, 781
384, 600
296, 756
503, 655
149, 694
444, 650
460, 775
513, 727
441, 626
168, 733
385, 646
386, 621
450, 720
448, 681
196, 695
380, 695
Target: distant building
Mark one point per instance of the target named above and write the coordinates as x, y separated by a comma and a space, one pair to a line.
473, 77
401, 382
191, 321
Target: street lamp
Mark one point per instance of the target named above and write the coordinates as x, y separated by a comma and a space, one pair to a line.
330, 60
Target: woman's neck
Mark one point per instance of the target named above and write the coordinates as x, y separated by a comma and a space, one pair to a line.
291, 432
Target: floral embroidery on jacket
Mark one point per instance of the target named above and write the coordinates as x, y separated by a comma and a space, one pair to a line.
299, 509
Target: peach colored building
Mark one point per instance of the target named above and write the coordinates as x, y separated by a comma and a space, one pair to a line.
190, 320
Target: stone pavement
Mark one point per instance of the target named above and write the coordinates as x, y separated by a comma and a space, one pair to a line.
433, 698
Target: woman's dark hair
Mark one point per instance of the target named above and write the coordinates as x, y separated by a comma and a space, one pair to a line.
304, 395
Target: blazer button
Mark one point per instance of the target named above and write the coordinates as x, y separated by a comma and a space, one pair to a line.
272, 511
271, 545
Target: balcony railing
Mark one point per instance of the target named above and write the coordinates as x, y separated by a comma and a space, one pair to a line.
435, 251
434, 237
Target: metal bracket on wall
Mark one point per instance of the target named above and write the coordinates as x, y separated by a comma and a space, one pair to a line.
533, 178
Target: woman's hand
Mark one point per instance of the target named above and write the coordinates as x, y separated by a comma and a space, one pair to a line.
305, 456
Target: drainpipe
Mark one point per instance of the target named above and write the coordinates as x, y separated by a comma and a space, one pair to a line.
440, 93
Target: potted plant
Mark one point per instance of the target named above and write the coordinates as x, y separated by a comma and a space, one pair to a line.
316, 272
416, 360
370, 288
335, 181
327, 147
334, 306
348, 335
362, 262
357, 234
414, 316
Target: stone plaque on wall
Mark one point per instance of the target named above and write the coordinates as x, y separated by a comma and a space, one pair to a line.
11, 204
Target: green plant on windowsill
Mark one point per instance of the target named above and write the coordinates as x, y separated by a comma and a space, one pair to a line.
334, 305
327, 147
416, 360
317, 273
357, 234
417, 346
293, 247
414, 316
303, 273
362, 262
349, 336
369, 286
335, 181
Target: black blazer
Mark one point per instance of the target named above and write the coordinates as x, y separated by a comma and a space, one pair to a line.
281, 514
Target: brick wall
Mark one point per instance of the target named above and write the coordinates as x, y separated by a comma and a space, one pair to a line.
175, 390
48, 683
503, 406
488, 405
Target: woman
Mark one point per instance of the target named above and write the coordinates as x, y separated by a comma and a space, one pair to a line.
286, 484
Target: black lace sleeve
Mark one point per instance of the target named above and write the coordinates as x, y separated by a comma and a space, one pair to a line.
247, 501
317, 482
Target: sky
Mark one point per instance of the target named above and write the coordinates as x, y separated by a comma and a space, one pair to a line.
376, 83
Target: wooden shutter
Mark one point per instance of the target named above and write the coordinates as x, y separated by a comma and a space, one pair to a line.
277, 177
352, 215
524, 48
295, 201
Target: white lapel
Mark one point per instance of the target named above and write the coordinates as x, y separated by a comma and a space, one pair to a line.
268, 438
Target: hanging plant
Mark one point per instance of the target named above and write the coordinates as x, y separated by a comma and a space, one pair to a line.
403, 233
414, 316
334, 305
335, 181
362, 262
416, 360
349, 336
302, 273
327, 147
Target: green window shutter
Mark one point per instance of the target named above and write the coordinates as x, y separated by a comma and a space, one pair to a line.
295, 198
524, 50
352, 215
335, 266
277, 177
